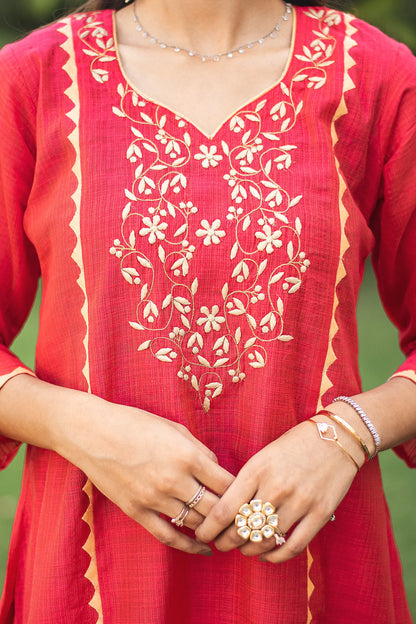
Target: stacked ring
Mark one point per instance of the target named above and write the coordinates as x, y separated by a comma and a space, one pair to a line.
257, 520
181, 517
196, 497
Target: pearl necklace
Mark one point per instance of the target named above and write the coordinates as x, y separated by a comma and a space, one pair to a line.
212, 57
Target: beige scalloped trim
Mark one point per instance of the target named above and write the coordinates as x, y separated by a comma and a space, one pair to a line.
20, 370
407, 374
342, 110
72, 93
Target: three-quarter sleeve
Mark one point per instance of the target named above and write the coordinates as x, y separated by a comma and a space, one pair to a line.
19, 266
394, 220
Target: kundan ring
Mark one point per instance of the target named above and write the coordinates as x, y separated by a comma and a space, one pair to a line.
257, 520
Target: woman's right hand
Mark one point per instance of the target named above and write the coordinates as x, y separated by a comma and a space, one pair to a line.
145, 464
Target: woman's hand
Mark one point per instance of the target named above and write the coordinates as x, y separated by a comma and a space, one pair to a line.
145, 464
303, 476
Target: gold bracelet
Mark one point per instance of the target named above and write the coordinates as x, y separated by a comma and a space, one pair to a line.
328, 433
347, 427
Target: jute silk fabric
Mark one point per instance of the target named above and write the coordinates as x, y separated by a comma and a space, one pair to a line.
212, 281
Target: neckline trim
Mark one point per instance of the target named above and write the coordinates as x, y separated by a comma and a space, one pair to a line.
250, 101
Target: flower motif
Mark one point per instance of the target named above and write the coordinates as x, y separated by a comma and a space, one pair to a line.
154, 229
269, 239
210, 320
208, 157
211, 232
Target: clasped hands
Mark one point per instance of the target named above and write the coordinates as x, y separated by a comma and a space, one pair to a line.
149, 467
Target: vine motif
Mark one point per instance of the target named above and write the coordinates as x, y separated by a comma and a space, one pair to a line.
249, 311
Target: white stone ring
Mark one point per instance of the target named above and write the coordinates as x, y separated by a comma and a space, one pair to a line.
257, 520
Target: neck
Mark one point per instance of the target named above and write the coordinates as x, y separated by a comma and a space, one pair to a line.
208, 26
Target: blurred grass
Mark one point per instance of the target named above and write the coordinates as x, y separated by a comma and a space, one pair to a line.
379, 355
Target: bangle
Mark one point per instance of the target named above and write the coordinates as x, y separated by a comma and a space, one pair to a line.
348, 428
361, 413
328, 433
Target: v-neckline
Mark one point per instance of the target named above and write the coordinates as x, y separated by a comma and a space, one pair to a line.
247, 103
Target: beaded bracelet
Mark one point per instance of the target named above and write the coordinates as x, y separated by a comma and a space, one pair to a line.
361, 413
345, 425
328, 433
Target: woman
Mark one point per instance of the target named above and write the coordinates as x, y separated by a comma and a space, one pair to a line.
199, 184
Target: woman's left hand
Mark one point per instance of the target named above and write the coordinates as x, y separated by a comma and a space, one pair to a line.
303, 476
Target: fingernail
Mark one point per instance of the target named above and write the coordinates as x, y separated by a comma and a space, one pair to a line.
207, 553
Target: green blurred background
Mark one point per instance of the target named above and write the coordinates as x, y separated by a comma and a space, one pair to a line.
379, 354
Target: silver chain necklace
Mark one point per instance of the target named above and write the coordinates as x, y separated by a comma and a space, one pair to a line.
213, 57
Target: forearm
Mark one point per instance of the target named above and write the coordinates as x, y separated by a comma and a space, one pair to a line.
391, 408
39, 413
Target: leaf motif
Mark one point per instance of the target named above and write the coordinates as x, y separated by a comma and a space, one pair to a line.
146, 118
272, 322
187, 138
260, 105
262, 266
279, 306
171, 210
132, 239
298, 225
136, 132
206, 404
164, 187
163, 351
166, 301
246, 223
224, 290
290, 250
294, 288
178, 161
225, 148
252, 320
144, 345
162, 121
259, 357
285, 338
194, 286
118, 112
144, 262
268, 167
239, 304
218, 343
130, 195
185, 321
203, 361
256, 364
248, 170
265, 319
136, 325
221, 362
246, 136
276, 277
285, 125
254, 192
295, 201
217, 391
182, 300
194, 383
270, 136
161, 253
234, 250
284, 89
126, 211
127, 276
250, 342
181, 229
251, 117
143, 291
163, 358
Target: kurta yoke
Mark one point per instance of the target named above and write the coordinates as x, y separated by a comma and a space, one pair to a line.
212, 281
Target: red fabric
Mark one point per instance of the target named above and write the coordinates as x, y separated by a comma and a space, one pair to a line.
134, 236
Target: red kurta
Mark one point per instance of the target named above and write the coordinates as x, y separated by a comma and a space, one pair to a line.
212, 281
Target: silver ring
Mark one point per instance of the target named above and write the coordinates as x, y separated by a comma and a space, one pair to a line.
181, 517
196, 497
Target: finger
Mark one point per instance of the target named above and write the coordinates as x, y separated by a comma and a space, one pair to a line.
190, 517
170, 536
223, 513
304, 532
201, 446
213, 476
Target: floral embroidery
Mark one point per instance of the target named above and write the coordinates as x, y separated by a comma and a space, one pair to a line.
212, 233
98, 45
218, 344
208, 156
